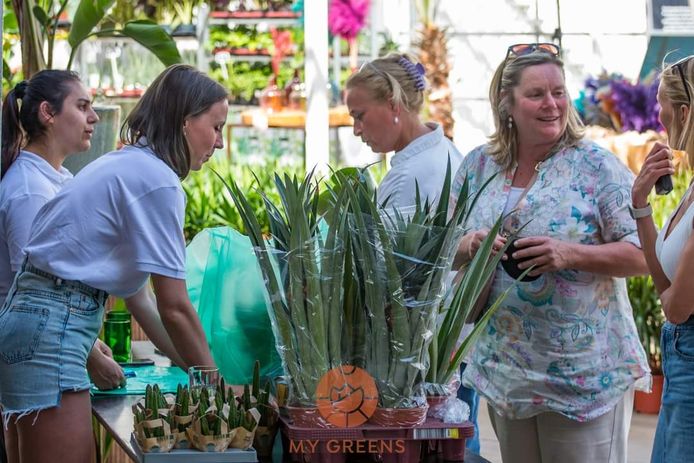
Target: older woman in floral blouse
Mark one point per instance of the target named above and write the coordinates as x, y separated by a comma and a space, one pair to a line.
558, 362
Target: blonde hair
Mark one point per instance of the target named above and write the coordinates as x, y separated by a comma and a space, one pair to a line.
387, 80
680, 135
504, 141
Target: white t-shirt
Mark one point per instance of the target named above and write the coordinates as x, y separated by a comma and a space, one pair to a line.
117, 222
424, 160
29, 183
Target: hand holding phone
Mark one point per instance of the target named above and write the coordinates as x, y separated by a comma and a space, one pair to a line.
663, 185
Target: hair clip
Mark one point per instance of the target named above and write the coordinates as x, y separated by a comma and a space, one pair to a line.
415, 71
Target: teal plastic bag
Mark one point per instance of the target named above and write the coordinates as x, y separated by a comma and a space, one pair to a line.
226, 287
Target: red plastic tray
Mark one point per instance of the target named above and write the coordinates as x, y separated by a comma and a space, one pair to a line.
321, 445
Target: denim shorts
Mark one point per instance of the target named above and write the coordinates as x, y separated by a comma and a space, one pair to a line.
673, 441
47, 328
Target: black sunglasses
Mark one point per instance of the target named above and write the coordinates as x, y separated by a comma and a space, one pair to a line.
678, 65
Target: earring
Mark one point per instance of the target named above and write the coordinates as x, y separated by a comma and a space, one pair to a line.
510, 122
396, 120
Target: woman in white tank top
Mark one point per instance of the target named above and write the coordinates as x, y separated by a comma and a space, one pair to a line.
670, 257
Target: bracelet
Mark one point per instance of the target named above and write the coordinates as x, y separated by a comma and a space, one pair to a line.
640, 212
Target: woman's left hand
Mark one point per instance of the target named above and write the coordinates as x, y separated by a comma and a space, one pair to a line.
545, 253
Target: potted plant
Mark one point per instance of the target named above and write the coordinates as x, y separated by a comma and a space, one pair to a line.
649, 319
303, 270
358, 284
401, 262
447, 351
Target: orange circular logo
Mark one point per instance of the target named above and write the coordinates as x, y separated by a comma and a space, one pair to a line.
346, 396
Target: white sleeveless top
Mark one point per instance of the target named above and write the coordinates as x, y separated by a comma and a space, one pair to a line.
669, 250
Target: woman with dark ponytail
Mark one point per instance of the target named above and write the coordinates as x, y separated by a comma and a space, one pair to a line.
44, 120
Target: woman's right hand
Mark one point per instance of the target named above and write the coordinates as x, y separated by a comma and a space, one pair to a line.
658, 163
471, 242
104, 372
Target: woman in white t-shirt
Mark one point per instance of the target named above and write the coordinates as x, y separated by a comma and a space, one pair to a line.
56, 120
670, 257
115, 225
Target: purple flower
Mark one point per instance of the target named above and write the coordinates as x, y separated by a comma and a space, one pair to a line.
636, 105
612, 101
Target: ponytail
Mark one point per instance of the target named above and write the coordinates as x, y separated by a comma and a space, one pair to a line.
12, 134
21, 125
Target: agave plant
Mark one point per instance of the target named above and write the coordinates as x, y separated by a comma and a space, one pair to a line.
400, 266
303, 270
356, 283
445, 354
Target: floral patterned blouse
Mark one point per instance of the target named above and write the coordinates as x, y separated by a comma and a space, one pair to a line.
567, 341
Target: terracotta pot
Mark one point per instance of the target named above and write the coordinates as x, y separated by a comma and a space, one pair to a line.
306, 417
434, 400
399, 417
649, 403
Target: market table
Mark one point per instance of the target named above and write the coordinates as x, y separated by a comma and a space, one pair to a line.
115, 414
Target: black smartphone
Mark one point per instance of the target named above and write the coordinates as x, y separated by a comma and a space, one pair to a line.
137, 363
663, 185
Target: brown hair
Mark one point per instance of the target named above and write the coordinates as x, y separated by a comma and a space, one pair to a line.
680, 135
178, 93
387, 80
21, 124
504, 141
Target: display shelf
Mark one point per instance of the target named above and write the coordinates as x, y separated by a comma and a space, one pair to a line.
290, 119
235, 18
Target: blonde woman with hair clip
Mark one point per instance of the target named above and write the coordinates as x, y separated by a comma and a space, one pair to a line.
670, 257
558, 361
385, 98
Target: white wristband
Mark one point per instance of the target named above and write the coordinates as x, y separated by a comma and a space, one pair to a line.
639, 213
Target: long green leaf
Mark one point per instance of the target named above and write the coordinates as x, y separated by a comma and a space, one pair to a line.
88, 14
154, 38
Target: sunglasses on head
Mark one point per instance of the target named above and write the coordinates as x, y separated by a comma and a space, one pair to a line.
522, 49
679, 65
